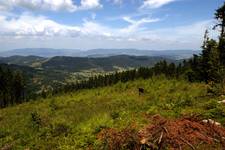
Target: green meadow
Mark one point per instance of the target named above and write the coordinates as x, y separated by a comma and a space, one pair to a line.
73, 120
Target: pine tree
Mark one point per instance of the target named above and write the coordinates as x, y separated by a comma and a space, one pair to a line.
220, 16
18, 87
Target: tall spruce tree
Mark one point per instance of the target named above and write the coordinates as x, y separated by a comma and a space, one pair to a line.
220, 16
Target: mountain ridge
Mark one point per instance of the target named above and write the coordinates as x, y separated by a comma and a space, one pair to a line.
48, 52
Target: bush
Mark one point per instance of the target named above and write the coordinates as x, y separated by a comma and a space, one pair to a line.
215, 89
115, 115
53, 105
3, 133
214, 110
35, 120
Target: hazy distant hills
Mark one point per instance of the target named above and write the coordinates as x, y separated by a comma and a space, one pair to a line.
45, 52
41, 52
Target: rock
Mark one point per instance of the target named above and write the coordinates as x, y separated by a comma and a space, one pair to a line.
7, 147
221, 102
210, 121
143, 141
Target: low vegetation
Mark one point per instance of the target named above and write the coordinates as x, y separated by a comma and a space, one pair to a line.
74, 120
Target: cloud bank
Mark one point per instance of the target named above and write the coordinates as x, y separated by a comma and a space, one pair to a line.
49, 5
136, 31
39, 28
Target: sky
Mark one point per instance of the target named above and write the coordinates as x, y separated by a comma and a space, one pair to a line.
91, 24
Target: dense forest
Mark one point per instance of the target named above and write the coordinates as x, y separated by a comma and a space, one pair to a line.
12, 87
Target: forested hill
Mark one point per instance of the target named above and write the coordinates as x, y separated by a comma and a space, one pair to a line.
104, 64
22, 60
41, 74
77, 64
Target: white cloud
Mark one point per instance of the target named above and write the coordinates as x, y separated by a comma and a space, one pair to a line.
52, 5
155, 3
92, 29
27, 25
39, 28
33, 26
136, 24
90, 4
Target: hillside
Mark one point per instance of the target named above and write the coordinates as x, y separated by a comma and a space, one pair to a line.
31, 61
76, 120
112, 63
42, 73
78, 64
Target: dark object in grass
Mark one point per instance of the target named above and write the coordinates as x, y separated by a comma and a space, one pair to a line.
141, 91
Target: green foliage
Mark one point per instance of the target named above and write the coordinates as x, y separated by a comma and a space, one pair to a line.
115, 115
3, 133
12, 87
214, 110
53, 106
35, 120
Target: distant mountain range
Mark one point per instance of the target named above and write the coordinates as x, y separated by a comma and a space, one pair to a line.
46, 52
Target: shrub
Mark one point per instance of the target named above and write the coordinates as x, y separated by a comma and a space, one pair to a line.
3, 133
115, 115
216, 88
214, 110
35, 120
53, 105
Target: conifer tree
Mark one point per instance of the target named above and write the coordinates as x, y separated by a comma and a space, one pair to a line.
220, 16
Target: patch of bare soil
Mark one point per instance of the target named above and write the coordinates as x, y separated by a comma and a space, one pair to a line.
178, 134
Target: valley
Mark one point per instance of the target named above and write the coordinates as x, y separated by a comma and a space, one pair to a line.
47, 73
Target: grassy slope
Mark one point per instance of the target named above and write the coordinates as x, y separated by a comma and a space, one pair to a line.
71, 121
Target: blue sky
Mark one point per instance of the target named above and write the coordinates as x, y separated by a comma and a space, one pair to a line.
89, 24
